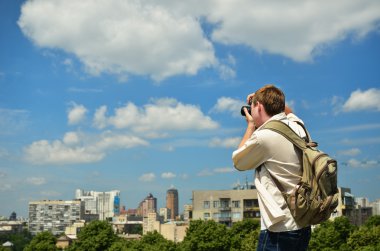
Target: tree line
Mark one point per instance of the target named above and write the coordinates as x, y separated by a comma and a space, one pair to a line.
338, 234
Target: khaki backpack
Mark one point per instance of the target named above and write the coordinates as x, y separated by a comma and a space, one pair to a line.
316, 196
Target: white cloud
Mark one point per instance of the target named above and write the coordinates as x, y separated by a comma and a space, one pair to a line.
100, 120
50, 193
37, 181
165, 38
5, 187
109, 140
120, 36
161, 115
208, 172
13, 121
354, 128
226, 143
86, 90
205, 172
361, 141
76, 113
363, 164
147, 177
363, 100
350, 152
168, 175
227, 104
56, 152
71, 138
78, 149
289, 28
224, 170
226, 72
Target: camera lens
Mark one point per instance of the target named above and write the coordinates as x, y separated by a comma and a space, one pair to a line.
242, 110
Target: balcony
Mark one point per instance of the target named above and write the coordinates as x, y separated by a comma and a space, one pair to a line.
251, 208
224, 219
224, 208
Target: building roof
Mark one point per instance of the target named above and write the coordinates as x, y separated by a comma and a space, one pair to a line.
8, 244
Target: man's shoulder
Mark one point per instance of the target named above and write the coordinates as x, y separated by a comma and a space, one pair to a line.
292, 117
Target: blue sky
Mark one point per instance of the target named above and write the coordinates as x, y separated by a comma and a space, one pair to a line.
140, 96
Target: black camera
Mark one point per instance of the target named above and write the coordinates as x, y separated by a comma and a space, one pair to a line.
242, 110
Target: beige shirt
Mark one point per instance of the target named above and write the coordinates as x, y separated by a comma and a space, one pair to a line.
277, 157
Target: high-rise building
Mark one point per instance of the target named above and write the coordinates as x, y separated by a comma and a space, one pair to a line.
376, 207
148, 205
362, 202
54, 215
105, 204
172, 202
357, 210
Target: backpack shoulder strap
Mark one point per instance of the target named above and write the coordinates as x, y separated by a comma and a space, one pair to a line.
308, 137
287, 132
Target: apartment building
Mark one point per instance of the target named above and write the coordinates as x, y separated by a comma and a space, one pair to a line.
54, 215
225, 206
172, 230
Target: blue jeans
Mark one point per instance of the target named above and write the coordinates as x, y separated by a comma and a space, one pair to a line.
297, 240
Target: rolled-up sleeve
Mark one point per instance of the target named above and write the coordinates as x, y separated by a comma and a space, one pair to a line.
251, 155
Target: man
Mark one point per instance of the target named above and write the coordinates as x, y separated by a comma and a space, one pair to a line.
272, 156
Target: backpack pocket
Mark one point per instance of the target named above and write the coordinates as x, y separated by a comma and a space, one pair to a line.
299, 203
327, 177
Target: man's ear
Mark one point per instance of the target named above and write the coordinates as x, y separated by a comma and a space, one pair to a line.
259, 106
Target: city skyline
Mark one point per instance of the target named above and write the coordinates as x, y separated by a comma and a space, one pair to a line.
140, 96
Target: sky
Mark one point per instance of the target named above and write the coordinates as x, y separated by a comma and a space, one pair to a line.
141, 96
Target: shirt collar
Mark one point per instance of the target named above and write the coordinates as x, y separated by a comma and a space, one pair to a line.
279, 116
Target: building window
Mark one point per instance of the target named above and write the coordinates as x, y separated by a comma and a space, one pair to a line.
216, 216
236, 203
206, 204
224, 204
236, 215
206, 216
251, 203
216, 203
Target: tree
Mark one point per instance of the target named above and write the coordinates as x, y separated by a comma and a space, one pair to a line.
19, 240
250, 241
96, 236
120, 245
331, 235
206, 236
153, 241
373, 221
244, 235
43, 241
368, 237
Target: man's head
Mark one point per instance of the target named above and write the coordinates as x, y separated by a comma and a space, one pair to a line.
272, 98
267, 102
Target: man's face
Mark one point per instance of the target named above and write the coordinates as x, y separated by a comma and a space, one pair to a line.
255, 113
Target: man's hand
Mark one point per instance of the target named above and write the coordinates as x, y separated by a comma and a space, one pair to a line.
288, 110
249, 98
249, 118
